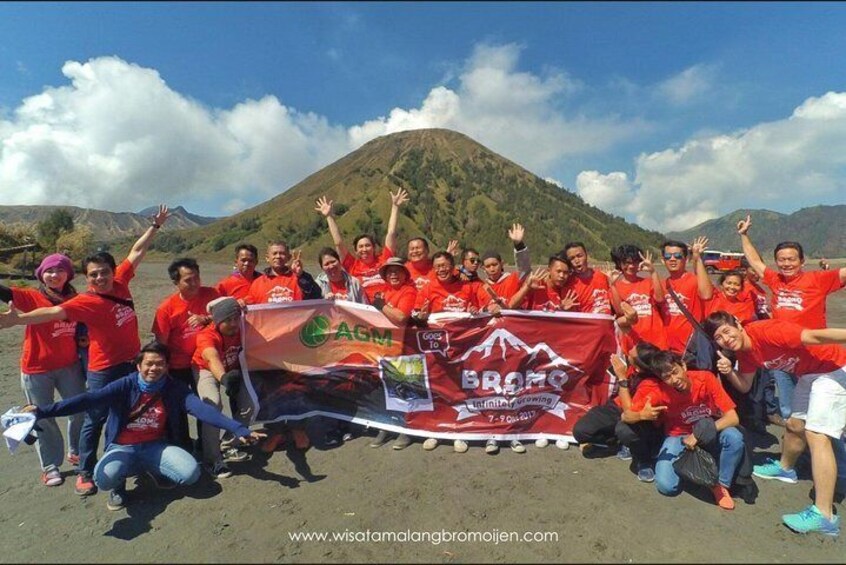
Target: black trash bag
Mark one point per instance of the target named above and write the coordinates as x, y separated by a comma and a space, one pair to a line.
231, 382
697, 466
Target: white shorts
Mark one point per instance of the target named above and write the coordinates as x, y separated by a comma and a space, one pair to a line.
820, 400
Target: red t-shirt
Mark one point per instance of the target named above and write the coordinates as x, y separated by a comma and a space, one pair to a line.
339, 290
171, 324
677, 327
227, 348
593, 292
506, 287
112, 327
777, 344
421, 272
149, 426
456, 296
402, 298
235, 285
649, 326
274, 289
741, 307
48, 346
548, 299
371, 280
801, 299
706, 398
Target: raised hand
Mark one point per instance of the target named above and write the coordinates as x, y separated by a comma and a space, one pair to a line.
400, 198
569, 300
646, 263
516, 233
611, 272
650, 412
724, 364
452, 247
324, 206
538, 278
619, 366
297, 262
10, 318
160, 217
744, 225
699, 245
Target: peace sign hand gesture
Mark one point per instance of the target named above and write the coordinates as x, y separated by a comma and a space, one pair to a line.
296, 262
646, 263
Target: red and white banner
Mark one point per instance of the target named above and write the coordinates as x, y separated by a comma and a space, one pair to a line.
524, 375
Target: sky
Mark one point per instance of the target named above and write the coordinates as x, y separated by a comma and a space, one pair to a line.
667, 114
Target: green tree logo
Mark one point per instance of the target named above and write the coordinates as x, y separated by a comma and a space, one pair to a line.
315, 332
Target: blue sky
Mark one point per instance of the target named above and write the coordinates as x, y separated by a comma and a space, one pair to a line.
665, 113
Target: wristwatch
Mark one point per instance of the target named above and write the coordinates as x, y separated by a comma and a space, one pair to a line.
623, 383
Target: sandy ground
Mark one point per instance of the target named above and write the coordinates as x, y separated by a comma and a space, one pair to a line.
597, 508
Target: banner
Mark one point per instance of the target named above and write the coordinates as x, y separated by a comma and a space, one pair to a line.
524, 375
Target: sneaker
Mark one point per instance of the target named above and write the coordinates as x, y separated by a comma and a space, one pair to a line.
161, 482
645, 474
402, 442
117, 500
517, 447
811, 520
625, 454
73, 459
460, 446
348, 436
228, 441
380, 439
219, 470
85, 485
52, 478
430, 444
562, 444
331, 439
773, 470
235, 455
491, 447
542, 442
722, 497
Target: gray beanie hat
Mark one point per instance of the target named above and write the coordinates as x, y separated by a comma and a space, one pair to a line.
223, 308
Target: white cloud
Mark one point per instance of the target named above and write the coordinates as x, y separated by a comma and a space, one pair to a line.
778, 165
118, 137
689, 85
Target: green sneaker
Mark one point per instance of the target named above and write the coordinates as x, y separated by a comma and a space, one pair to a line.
773, 470
811, 520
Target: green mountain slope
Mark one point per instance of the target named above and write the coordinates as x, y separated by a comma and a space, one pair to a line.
819, 229
458, 188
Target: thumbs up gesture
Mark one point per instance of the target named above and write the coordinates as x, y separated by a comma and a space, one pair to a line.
650, 412
10, 318
724, 365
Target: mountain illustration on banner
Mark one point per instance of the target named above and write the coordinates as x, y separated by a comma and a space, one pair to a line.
507, 341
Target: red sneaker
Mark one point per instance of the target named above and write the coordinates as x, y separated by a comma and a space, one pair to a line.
723, 498
85, 485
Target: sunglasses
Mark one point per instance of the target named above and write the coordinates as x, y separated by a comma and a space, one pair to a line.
675, 255
473, 260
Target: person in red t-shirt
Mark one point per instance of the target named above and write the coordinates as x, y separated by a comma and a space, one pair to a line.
592, 288
335, 282
642, 294
237, 285
819, 403
500, 287
674, 254
419, 264
696, 410
731, 295
50, 362
365, 264
548, 289
179, 318
281, 283
109, 313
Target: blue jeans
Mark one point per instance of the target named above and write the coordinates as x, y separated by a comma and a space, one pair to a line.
786, 383
730, 443
122, 461
95, 419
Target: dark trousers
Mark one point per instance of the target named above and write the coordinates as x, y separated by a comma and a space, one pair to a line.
95, 419
602, 424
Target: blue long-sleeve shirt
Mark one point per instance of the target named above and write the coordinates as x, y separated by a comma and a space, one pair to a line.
123, 394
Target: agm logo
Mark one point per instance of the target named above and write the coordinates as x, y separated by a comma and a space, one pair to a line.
318, 330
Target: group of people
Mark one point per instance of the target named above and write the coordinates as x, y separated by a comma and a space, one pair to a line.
667, 400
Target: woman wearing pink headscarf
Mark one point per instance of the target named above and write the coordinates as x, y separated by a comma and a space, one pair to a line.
49, 361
